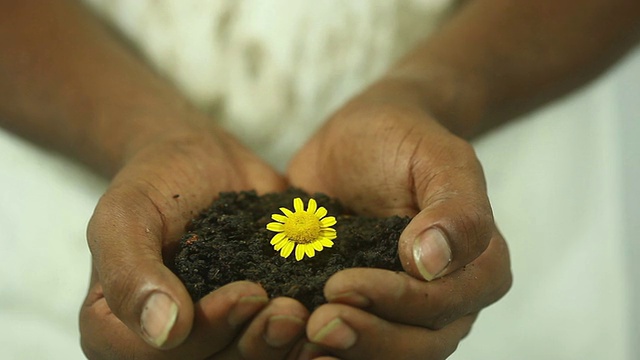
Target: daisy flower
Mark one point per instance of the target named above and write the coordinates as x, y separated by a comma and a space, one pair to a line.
306, 231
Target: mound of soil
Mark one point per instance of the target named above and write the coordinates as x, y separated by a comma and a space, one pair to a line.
229, 242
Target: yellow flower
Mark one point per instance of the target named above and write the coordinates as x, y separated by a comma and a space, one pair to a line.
307, 231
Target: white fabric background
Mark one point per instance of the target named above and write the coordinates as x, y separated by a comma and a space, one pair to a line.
563, 183
271, 71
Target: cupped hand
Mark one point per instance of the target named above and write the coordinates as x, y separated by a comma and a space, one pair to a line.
136, 307
385, 157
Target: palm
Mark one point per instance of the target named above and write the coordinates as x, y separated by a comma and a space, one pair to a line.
135, 229
385, 159
368, 160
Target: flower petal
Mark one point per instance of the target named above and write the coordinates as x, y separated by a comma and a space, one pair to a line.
321, 212
280, 218
287, 249
275, 226
328, 233
313, 205
277, 238
281, 244
286, 211
326, 242
317, 245
328, 221
308, 249
298, 205
300, 251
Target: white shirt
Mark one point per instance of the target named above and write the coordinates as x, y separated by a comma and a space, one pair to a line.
271, 71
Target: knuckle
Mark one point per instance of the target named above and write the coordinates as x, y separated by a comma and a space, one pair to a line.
470, 228
464, 148
448, 312
289, 306
463, 151
88, 351
504, 278
405, 288
88, 347
478, 225
121, 290
506, 284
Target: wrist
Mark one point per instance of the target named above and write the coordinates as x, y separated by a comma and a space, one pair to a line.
117, 133
456, 101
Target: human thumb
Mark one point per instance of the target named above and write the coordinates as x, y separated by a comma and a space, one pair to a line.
454, 224
125, 237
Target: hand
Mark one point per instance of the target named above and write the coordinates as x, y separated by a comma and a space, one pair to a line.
136, 307
384, 157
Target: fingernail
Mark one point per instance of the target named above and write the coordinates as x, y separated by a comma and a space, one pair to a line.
282, 330
245, 309
158, 317
431, 253
336, 334
350, 298
309, 351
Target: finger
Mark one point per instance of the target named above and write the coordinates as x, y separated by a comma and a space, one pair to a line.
428, 304
308, 351
272, 334
455, 222
351, 333
125, 238
219, 316
141, 217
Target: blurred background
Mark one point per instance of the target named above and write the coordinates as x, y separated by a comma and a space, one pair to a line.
563, 183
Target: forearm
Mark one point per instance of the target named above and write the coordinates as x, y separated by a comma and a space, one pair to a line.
499, 58
66, 82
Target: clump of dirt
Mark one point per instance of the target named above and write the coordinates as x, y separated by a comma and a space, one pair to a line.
229, 242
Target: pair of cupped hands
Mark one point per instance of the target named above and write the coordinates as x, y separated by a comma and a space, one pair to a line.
379, 158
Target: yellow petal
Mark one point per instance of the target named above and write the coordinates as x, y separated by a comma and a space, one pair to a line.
321, 212
313, 205
275, 226
298, 205
326, 242
277, 238
327, 233
287, 249
280, 218
286, 211
317, 245
300, 251
328, 221
281, 244
309, 250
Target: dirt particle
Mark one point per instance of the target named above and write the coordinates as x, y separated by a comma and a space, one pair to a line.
229, 242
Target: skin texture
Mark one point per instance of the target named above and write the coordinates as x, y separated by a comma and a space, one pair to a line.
384, 158
396, 148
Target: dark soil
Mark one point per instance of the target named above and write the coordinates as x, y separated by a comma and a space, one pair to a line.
229, 242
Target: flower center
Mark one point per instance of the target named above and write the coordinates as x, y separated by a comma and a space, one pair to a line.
302, 227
